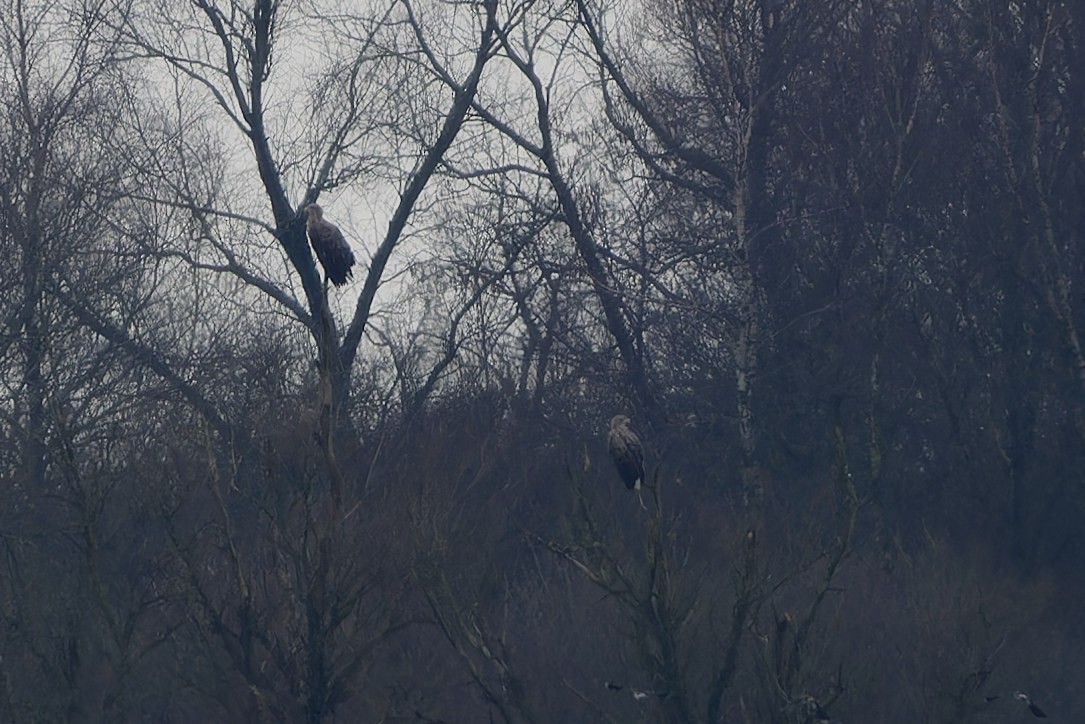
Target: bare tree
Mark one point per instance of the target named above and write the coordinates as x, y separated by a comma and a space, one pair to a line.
731, 69
233, 55
547, 33
70, 388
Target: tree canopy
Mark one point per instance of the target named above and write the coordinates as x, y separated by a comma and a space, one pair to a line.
825, 257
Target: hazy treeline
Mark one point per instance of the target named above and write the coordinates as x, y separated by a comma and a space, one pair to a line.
827, 256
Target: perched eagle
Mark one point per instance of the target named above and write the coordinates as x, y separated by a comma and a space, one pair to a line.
331, 248
813, 709
626, 451
1032, 707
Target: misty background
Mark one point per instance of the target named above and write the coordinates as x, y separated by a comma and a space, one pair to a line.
826, 256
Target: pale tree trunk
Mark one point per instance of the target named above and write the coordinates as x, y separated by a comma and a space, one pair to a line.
744, 349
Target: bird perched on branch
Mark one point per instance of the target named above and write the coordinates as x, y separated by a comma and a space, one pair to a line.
626, 452
331, 248
813, 709
1032, 707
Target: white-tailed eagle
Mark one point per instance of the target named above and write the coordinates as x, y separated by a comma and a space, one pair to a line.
332, 250
626, 452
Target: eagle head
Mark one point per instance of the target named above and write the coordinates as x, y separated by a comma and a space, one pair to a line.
618, 421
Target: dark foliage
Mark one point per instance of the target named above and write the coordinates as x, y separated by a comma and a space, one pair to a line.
840, 288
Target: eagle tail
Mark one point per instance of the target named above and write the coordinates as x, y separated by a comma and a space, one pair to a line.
338, 276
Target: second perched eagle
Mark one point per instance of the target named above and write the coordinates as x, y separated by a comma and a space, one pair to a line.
331, 248
1032, 707
626, 451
